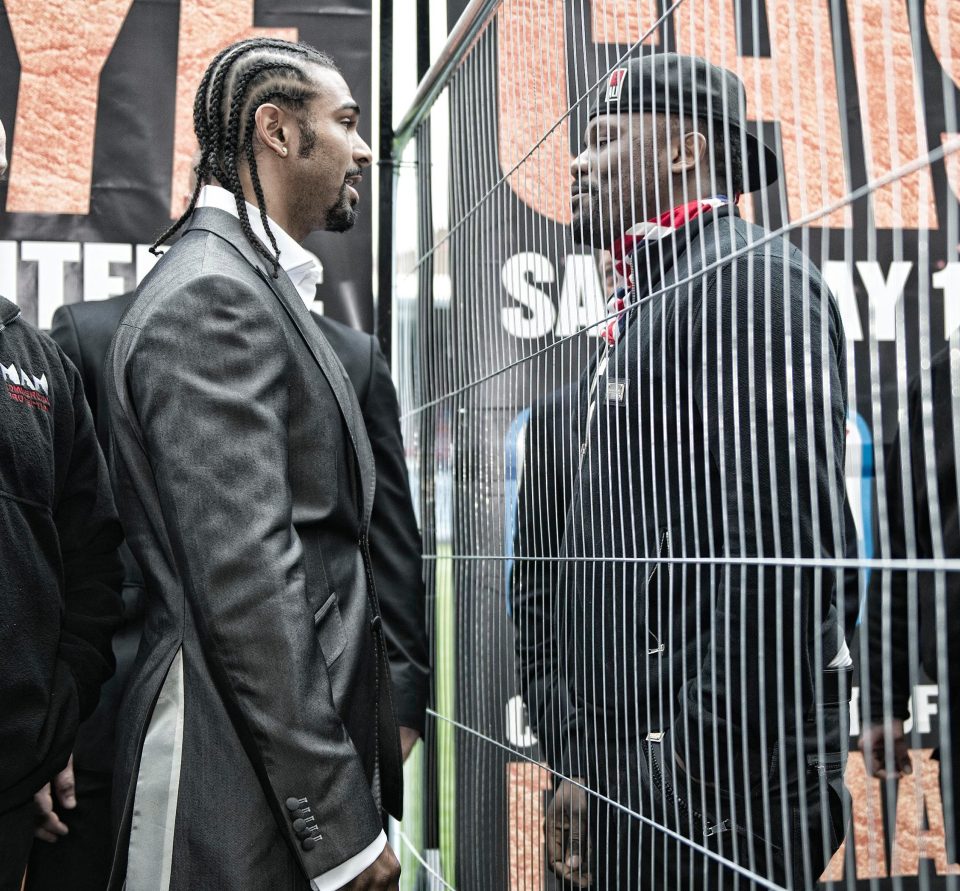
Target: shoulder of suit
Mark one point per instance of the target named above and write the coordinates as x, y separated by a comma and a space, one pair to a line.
343, 336
99, 312
199, 265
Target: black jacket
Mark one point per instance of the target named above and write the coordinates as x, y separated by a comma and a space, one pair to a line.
395, 546
719, 433
905, 613
84, 331
546, 477
912, 534
59, 568
900, 601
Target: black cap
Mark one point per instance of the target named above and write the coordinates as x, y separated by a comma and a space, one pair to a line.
668, 83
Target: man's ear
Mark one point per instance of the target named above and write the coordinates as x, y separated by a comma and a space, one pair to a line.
272, 126
687, 150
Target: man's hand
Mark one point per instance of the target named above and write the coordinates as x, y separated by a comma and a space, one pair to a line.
408, 739
567, 834
381, 875
886, 753
49, 826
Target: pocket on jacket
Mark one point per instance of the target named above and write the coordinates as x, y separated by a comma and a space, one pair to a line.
329, 627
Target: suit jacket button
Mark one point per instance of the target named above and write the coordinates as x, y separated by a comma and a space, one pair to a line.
375, 623
299, 825
308, 844
293, 804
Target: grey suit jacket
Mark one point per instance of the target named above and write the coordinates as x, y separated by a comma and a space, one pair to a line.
259, 713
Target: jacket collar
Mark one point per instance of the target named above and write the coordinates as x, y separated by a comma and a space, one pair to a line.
227, 227
653, 259
301, 266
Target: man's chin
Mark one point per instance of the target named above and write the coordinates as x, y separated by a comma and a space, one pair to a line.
341, 218
589, 233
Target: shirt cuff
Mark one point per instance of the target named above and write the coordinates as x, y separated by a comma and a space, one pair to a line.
346, 872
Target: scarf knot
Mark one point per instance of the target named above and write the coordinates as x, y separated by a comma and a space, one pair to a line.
625, 248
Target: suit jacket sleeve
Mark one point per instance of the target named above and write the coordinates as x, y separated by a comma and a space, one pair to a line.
777, 490
207, 385
64, 333
90, 538
396, 550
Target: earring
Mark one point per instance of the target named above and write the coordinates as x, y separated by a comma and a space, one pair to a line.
283, 151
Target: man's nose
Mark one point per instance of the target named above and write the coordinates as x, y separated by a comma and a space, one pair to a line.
579, 166
362, 154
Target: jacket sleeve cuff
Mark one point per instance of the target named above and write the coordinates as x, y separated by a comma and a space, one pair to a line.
334, 879
410, 688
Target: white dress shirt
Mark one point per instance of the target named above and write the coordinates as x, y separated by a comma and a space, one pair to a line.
302, 267
305, 271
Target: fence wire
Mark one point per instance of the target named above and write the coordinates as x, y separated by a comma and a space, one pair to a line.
678, 359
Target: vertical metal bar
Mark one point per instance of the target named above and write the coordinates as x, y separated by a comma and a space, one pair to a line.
387, 166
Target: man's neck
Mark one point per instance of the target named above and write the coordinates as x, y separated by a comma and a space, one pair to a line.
279, 216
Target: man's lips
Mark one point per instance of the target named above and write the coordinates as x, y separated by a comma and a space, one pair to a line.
351, 182
578, 196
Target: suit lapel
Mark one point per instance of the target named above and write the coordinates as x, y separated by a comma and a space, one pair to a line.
332, 369
228, 228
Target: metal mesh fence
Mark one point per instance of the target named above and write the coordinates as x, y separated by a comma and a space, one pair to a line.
677, 357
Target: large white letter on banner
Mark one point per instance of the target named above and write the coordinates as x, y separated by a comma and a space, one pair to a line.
206, 27
52, 159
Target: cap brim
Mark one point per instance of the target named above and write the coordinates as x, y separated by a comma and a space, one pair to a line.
763, 165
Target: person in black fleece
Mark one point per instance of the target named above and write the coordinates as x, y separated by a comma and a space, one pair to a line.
60, 576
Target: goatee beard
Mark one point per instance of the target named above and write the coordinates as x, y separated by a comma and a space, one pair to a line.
342, 215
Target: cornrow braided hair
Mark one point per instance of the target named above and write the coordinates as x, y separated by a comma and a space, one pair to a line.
240, 79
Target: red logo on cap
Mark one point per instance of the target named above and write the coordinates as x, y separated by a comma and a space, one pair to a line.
614, 84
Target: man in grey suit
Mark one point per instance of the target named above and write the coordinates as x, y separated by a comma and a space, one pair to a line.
259, 741
84, 331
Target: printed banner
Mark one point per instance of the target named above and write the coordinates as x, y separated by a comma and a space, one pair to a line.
100, 137
818, 76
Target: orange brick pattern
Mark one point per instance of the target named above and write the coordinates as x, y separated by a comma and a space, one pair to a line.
796, 87
62, 46
526, 783
617, 22
532, 93
892, 113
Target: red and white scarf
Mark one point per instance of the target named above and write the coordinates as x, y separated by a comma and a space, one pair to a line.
625, 249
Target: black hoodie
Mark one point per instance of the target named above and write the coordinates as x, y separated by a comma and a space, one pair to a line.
60, 572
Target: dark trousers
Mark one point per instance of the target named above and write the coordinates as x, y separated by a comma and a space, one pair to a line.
16, 836
788, 837
80, 860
